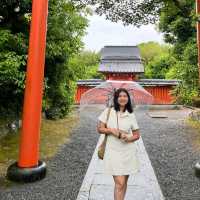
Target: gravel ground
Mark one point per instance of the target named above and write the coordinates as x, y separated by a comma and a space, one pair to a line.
65, 171
170, 143
173, 149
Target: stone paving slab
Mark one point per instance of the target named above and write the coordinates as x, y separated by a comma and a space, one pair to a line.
141, 186
157, 115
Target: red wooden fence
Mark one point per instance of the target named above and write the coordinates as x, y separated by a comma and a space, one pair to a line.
161, 94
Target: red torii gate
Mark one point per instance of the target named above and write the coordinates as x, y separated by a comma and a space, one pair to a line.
29, 168
197, 165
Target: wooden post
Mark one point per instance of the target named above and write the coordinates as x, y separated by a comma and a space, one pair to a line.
29, 168
198, 34
197, 165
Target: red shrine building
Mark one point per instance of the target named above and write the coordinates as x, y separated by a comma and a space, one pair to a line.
125, 63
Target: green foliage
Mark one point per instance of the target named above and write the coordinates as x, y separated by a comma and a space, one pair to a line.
139, 13
150, 50
156, 58
85, 65
186, 70
66, 27
159, 66
12, 74
184, 94
132, 12
177, 22
179, 27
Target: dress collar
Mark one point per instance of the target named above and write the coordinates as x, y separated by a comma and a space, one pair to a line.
126, 113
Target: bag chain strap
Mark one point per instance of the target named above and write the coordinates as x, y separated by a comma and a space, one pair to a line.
108, 114
117, 121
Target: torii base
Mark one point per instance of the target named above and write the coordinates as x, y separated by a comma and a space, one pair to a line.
32, 174
197, 169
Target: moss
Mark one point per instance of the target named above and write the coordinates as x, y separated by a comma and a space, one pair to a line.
196, 101
194, 136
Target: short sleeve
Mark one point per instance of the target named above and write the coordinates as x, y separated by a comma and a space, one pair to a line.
134, 124
102, 117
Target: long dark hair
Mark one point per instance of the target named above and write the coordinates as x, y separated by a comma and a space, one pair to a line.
128, 106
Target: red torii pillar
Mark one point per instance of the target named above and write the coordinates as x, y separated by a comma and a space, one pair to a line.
29, 168
197, 165
198, 34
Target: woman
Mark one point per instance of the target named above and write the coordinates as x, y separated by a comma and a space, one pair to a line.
120, 154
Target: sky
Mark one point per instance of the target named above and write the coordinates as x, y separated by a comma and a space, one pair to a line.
103, 32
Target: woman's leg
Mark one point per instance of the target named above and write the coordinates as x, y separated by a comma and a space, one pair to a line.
120, 187
126, 176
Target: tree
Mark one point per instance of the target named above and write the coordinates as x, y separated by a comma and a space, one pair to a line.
180, 30
178, 26
186, 70
159, 66
150, 50
133, 12
86, 64
66, 27
14, 25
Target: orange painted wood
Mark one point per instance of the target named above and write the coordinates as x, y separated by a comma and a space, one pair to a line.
161, 94
120, 76
198, 34
80, 90
30, 133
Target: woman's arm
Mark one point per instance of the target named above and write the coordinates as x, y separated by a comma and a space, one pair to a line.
135, 135
101, 128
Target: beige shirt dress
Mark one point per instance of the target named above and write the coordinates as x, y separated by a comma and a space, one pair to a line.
120, 157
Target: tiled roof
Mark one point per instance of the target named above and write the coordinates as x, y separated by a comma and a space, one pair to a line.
121, 66
143, 82
121, 59
120, 51
90, 82
158, 82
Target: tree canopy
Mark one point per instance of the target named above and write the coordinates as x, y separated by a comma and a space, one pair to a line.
134, 12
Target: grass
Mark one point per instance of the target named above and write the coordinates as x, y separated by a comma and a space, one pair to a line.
54, 133
195, 125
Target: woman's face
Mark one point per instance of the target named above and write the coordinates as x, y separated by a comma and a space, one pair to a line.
123, 98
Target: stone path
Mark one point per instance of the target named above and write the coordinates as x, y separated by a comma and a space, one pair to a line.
99, 186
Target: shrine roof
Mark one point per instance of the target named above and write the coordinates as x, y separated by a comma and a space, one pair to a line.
121, 59
143, 82
120, 66
121, 52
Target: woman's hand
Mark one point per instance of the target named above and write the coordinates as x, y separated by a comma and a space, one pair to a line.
125, 137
